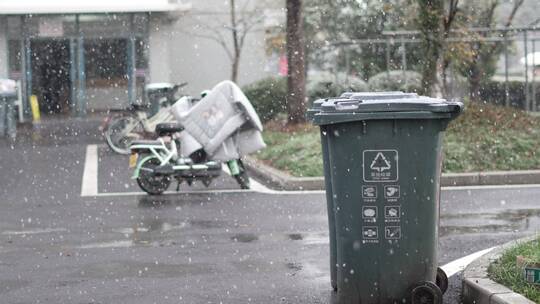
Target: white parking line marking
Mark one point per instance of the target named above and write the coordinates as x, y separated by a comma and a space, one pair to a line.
258, 187
112, 244
254, 185
459, 265
33, 231
215, 191
89, 185
488, 187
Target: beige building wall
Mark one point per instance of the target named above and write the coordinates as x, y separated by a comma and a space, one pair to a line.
195, 55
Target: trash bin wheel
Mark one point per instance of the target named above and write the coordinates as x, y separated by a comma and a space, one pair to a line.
441, 280
426, 293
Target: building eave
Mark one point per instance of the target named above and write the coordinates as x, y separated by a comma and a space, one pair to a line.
95, 7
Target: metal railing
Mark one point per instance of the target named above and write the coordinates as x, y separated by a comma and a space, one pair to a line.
516, 43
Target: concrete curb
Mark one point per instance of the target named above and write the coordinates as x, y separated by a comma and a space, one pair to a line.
283, 181
479, 289
277, 179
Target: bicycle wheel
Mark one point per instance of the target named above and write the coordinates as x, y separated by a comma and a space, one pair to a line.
121, 132
150, 182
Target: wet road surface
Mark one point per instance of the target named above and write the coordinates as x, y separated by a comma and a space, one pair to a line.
238, 247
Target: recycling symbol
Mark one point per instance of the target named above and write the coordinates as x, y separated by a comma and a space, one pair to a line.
380, 163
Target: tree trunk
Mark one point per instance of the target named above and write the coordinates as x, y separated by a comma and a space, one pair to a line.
236, 46
475, 78
296, 79
234, 68
445, 80
431, 23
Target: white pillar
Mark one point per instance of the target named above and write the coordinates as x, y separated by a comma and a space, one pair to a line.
159, 53
3, 48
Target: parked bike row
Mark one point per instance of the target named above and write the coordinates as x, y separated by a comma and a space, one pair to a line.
186, 139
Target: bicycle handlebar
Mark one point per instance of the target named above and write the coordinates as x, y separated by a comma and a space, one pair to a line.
176, 87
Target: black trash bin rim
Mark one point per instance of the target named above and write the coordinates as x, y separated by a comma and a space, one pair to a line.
377, 95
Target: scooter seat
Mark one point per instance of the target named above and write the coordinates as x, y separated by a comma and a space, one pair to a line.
139, 107
146, 142
168, 128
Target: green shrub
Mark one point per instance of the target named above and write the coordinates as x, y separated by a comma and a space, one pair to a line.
494, 92
268, 96
397, 80
325, 84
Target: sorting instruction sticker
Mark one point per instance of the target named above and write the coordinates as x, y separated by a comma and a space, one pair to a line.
369, 193
392, 232
392, 214
369, 213
380, 165
391, 192
370, 232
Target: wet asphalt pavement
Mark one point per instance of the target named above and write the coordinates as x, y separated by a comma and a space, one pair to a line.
220, 247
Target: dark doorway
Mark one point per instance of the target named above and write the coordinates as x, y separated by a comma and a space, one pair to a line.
50, 75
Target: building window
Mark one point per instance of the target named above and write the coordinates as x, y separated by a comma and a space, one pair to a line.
106, 62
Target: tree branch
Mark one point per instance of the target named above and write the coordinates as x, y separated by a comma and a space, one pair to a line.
216, 37
510, 19
452, 12
508, 23
534, 23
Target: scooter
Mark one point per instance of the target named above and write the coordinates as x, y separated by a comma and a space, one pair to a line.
158, 162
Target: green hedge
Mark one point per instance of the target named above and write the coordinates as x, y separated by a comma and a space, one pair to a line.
396, 80
325, 84
268, 96
494, 92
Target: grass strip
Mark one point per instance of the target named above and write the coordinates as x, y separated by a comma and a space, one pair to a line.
506, 271
484, 138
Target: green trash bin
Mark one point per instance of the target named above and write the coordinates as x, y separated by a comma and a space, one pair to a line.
383, 157
314, 109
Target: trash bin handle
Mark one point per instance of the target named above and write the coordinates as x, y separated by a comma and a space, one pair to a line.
455, 107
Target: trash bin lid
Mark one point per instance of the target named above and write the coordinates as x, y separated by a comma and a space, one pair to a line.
315, 108
317, 104
377, 95
369, 107
8, 88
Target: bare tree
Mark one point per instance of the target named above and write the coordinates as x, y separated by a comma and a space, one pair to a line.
483, 54
243, 20
437, 20
296, 76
